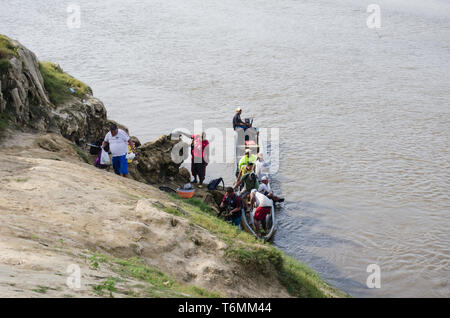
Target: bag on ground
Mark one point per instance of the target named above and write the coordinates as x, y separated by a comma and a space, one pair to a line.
213, 184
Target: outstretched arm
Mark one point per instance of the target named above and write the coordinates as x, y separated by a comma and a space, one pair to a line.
182, 133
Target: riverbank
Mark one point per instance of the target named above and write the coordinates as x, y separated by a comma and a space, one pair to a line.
59, 212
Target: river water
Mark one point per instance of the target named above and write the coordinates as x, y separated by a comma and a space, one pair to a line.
363, 113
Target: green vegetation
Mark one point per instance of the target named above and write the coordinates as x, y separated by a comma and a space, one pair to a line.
157, 284
81, 153
201, 214
96, 259
4, 122
42, 289
298, 279
58, 84
7, 50
109, 285
261, 258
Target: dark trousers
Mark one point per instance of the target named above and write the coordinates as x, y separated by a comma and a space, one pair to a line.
199, 169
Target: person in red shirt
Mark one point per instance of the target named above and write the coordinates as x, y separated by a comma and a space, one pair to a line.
200, 156
232, 204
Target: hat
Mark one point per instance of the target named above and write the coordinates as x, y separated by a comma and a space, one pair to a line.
253, 191
238, 109
112, 127
264, 178
260, 155
247, 150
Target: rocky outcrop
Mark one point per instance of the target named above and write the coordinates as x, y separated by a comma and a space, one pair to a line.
155, 163
23, 98
25, 101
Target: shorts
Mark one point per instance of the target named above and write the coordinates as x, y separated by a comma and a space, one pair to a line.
120, 164
261, 212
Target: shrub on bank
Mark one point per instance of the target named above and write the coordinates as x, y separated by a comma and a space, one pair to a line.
7, 50
58, 84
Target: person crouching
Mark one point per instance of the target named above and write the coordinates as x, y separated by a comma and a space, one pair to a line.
263, 208
232, 206
265, 189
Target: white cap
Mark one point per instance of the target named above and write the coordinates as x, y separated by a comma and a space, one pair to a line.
238, 109
260, 155
247, 150
253, 191
264, 178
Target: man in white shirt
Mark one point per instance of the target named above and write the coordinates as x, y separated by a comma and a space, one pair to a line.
118, 146
265, 189
263, 207
261, 167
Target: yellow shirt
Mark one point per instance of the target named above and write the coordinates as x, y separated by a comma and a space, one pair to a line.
130, 151
244, 160
244, 170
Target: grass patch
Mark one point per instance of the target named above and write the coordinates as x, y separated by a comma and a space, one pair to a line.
41, 289
58, 84
108, 285
7, 50
202, 215
200, 204
301, 281
297, 278
96, 259
173, 211
81, 153
4, 65
161, 284
4, 122
263, 259
158, 284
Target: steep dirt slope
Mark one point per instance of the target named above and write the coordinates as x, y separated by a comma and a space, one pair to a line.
56, 211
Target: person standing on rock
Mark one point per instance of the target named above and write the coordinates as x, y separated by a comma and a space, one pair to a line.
118, 145
199, 156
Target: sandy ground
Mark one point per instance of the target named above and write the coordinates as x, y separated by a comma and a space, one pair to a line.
56, 211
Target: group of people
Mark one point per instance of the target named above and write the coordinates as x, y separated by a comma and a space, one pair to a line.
253, 182
252, 178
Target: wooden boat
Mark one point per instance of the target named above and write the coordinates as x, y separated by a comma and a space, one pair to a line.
243, 141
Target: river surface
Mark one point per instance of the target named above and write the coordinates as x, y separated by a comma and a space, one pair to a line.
363, 114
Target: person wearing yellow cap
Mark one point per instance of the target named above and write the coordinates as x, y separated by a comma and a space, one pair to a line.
237, 121
246, 158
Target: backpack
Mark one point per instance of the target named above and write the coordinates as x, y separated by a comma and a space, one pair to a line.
213, 184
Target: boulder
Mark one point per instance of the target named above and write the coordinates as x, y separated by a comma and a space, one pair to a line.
155, 164
24, 100
82, 119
